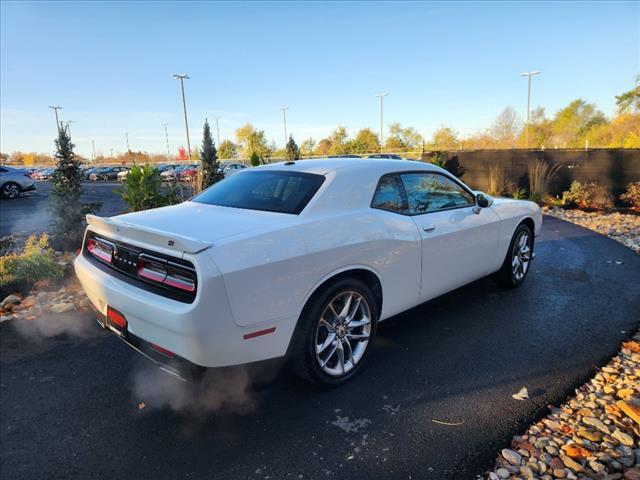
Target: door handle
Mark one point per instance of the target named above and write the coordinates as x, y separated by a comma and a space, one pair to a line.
429, 228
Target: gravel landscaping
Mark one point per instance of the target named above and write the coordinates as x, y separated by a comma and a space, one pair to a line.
621, 227
595, 434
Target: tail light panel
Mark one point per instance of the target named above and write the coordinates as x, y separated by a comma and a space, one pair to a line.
167, 273
101, 249
156, 272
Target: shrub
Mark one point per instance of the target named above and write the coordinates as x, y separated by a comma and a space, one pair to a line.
143, 189
632, 195
497, 182
588, 195
519, 193
255, 159
36, 262
540, 174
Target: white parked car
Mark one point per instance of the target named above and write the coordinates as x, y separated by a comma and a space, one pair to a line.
231, 168
122, 175
302, 259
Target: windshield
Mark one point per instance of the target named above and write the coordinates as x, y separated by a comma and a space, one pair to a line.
272, 191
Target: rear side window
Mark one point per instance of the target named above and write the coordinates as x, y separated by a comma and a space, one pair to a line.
271, 191
390, 195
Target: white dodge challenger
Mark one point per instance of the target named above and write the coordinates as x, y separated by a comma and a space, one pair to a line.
299, 259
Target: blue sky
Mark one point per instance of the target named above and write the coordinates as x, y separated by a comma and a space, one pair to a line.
109, 65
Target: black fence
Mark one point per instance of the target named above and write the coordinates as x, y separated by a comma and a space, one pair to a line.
612, 168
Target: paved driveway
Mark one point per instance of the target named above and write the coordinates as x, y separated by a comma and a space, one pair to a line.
68, 407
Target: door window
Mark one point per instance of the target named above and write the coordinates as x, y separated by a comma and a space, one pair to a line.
432, 192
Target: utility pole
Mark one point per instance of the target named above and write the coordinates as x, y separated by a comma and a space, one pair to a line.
218, 131
284, 116
184, 107
126, 135
529, 75
55, 109
381, 95
68, 124
93, 145
166, 136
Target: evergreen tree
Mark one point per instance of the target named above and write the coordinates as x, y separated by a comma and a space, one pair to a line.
68, 214
293, 151
209, 158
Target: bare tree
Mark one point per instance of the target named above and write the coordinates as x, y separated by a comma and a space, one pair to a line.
505, 128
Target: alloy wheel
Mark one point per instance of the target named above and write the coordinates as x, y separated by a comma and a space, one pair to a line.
343, 332
521, 256
10, 190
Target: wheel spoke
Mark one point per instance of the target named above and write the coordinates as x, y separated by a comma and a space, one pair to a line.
327, 325
328, 341
357, 336
340, 350
354, 310
347, 306
359, 323
346, 344
333, 350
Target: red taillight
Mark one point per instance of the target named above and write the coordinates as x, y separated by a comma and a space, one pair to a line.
163, 351
30, 175
116, 319
167, 273
100, 249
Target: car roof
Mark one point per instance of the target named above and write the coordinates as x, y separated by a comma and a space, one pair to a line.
324, 166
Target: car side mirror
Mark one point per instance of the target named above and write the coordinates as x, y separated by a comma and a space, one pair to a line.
483, 200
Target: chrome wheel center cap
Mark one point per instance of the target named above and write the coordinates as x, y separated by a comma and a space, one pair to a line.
341, 331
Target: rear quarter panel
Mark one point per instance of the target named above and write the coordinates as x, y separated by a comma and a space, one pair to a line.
271, 275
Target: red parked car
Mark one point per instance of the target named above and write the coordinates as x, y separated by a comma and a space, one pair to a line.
188, 173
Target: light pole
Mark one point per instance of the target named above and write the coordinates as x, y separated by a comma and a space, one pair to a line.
529, 75
93, 145
381, 95
166, 136
184, 107
55, 109
218, 131
126, 135
284, 116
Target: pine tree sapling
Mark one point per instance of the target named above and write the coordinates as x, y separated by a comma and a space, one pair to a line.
255, 159
68, 213
293, 151
209, 159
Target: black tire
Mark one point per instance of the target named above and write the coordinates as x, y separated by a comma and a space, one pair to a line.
11, 190
510, 276
303, 359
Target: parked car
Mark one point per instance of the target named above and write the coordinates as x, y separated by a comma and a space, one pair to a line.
106, 173
347, 155
231, 168
188, 173
44, 174
299, 258
14, 181
122, 175
172, 172
386, 155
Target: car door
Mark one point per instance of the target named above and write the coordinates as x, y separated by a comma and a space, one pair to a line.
459, 239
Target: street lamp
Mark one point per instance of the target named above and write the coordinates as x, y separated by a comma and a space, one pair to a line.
284, 116
381, 96
529, 75
55, 109
218, 130
166, 136
182, 77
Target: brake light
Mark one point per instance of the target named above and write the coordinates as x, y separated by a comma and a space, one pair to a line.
100, 249
167, 273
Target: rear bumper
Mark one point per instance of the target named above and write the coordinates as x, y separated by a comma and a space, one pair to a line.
203, 333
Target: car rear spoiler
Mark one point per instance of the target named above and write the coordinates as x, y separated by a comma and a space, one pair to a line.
145, 235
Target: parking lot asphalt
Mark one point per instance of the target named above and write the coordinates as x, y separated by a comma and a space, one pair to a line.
29, 213
434, 401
